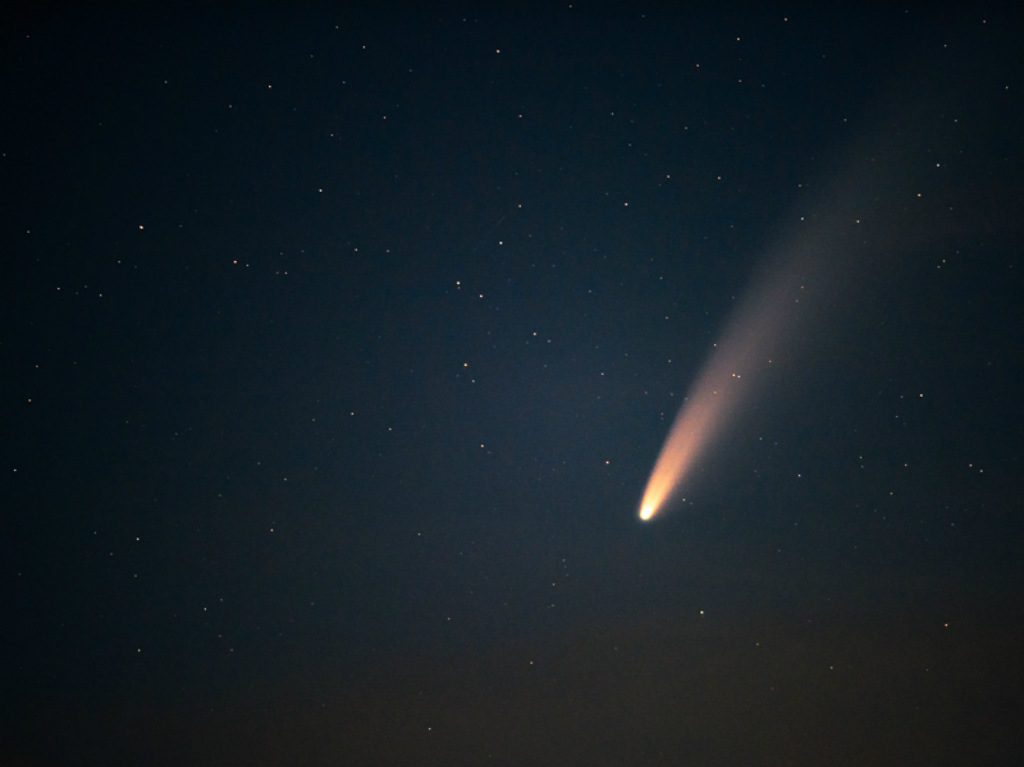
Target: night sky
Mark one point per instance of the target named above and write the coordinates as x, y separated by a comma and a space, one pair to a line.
337, 348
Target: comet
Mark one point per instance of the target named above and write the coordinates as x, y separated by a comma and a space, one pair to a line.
812, 269
863, 213
742, 358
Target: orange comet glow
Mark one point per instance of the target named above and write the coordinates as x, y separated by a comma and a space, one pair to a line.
742, 356
855, 226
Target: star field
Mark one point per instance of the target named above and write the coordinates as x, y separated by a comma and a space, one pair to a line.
338, 345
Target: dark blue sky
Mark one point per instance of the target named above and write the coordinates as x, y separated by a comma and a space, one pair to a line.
337, 348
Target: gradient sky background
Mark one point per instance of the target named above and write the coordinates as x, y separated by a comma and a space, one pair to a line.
337, 347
